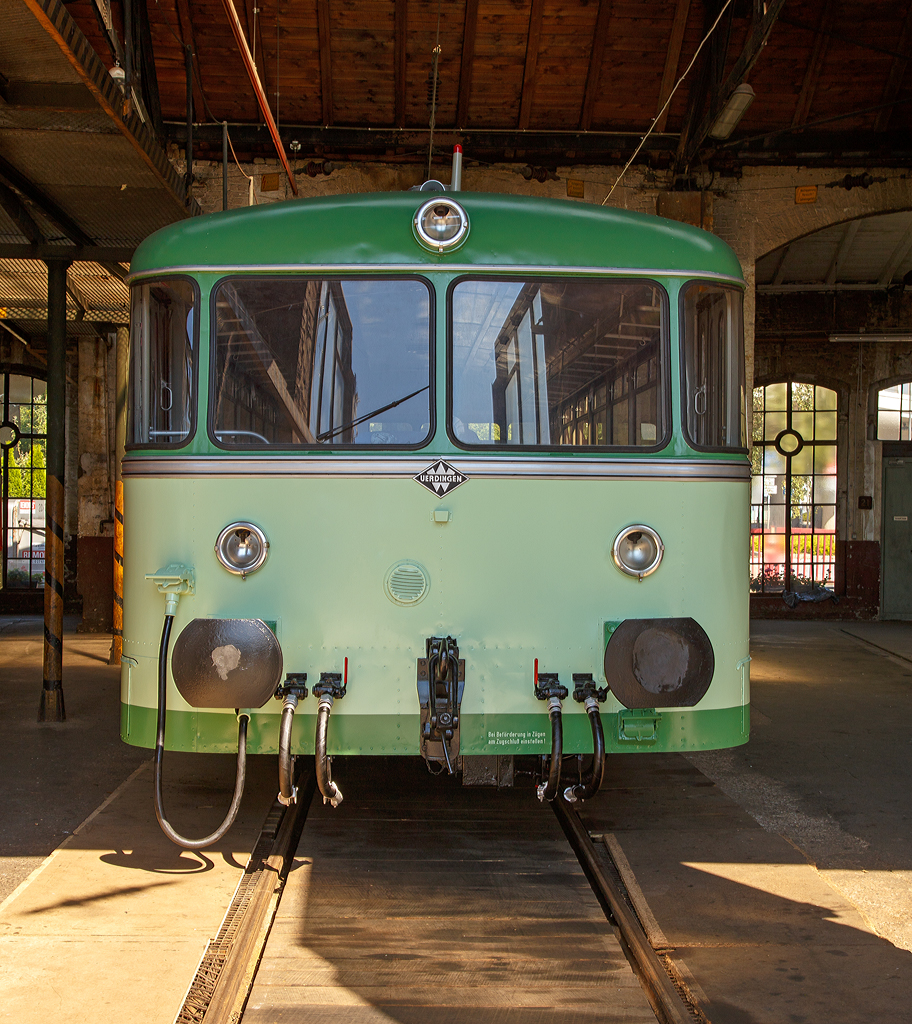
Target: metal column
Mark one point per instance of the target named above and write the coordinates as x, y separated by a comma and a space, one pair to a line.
51, 708
120, 437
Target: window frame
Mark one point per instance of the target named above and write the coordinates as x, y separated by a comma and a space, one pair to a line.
192, 413
257, 447
663, 385
682, 355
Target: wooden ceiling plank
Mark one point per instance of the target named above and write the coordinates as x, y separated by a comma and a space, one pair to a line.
845, 245
815, 65
672, 58
400, 35
532, 48
596, 57
466, 64
897, 73
323, 41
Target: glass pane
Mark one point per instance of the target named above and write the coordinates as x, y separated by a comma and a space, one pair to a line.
825, 518
776, 397
825, 458
803, 424
304, 361
570, 339
825, 489
773, 462
802, 396
757, 432
825, 426
888, 425
803, 462
775, 423
713, 399
824, 398
162, 336
758, 399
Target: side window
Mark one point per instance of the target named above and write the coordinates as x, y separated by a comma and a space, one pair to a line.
162, 338
713, 366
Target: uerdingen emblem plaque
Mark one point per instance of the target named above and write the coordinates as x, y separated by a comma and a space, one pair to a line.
441, 478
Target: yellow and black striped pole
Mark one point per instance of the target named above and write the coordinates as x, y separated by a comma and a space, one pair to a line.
51, 708
120, 437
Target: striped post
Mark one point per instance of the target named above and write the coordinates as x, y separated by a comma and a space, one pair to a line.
120, 437
51, 708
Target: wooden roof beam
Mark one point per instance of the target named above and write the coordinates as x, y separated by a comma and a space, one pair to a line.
897, 73
765, 16
400, 36
323, 41
529, 72
815, 66
672, 58
465, 67
596, 57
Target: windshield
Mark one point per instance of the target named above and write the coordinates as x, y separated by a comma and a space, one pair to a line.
307, 361
558, 362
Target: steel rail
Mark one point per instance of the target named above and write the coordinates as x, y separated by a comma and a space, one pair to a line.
235, 975
666, 1001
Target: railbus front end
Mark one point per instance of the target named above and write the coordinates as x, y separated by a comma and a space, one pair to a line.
456, 475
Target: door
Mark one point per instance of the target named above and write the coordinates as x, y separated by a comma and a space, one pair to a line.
897, 539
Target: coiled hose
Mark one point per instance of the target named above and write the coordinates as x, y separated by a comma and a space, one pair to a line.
548, 790
331, 792
590, 785
175, 837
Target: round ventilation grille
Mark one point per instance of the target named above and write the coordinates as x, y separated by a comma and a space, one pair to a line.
406, 583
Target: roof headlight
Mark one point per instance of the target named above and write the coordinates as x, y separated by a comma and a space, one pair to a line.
637, 551
441, 224
242, 548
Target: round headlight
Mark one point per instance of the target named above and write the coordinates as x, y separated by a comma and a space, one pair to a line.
242, 548
441, 224
637, 551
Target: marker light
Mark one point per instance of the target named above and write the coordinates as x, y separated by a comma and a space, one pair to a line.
441, 224
637, 551
242, 548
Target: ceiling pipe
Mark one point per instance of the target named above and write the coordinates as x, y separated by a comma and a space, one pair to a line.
258, 89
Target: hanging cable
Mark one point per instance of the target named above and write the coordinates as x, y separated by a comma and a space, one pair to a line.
434, 91
665, 104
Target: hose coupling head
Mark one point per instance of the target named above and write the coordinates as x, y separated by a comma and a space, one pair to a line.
325, 701
173, 581
292, 798
554, 706
591, 704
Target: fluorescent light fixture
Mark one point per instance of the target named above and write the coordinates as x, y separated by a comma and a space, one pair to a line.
734, 109
873, 337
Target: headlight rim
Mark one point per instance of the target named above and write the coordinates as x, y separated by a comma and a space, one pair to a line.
225, 561
630, 571
435, 244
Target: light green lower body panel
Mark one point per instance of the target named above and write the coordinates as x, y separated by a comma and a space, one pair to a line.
625, 731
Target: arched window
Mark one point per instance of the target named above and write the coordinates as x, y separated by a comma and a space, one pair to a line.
793, 492
23, 444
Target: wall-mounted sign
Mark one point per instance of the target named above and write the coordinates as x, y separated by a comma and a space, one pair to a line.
806, 194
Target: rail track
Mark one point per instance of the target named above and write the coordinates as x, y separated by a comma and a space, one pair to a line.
419, 900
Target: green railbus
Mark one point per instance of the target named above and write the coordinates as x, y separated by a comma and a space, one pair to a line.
453, 474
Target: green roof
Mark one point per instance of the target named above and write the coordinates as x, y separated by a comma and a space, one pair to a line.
376, 229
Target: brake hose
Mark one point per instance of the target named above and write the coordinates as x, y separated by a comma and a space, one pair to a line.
175, 837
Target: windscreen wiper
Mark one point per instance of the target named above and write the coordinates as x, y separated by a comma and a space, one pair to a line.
328, 434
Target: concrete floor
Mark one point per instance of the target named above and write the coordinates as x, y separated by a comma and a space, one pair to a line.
780, 871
